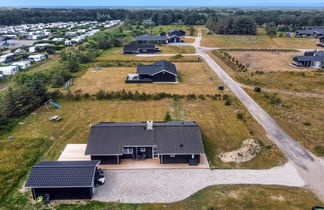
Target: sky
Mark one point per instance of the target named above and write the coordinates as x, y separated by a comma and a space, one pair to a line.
139, 3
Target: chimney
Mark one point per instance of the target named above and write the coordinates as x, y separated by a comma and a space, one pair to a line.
149, 125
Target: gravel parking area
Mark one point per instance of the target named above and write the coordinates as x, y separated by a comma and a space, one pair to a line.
170, 185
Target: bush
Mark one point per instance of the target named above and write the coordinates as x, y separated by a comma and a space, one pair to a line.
100, 95
226, 97
177, 56
202, 97
240, 116
228, 102
319, 150
167, 117
306, 123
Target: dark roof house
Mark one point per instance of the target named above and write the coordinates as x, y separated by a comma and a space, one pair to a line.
309, 61
171, 142
174, 39
310, 32
314, 53
160, 71
151, 39
177, 32
140, 48
321, 42
63, 179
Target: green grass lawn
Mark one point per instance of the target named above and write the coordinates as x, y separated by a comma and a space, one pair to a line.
214, 197
301, 117
16, 158
257, 41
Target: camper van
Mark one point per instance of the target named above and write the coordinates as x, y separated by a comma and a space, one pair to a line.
9, 70
22, 64
37, 58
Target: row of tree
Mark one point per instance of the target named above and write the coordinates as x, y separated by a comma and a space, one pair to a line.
232, 25
293, 19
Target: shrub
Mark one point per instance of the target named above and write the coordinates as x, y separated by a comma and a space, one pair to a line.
228, 102
167, 117
202, 97
319, 150
100, 95
226, 97
306, 123
191, 96
177, 56
240, 116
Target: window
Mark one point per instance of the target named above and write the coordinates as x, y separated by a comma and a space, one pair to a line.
172, 155
128, 151
143, 150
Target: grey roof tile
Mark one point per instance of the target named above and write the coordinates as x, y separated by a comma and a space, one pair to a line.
59, 174
169, 137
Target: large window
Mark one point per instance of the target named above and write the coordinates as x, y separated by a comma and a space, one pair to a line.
128, 151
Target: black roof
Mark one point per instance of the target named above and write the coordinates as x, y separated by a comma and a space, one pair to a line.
174, 30
4, 38
148, 37
108, 138
60, 174
309, 58
172, 36
136, 47
311, 31
157, 67
314, 53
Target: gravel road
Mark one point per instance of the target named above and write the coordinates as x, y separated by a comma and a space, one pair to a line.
165, 186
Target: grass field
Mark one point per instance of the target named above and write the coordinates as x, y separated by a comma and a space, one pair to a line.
115, 54
214, 197
50, 63
16, 158
302, 118
195, 77
267, 61
257, 41
278, 76
223, 131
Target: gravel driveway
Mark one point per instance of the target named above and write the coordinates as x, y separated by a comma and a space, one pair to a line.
170, 185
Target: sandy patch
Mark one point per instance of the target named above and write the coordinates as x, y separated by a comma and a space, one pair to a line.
278, 198
249, 149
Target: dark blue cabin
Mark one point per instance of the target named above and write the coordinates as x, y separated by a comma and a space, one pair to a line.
170, 142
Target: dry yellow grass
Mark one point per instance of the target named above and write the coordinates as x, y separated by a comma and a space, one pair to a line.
187, 40
276, 74
196, 77
169, 49
267, 61
293, 114
218, 122
257, 41
115, 54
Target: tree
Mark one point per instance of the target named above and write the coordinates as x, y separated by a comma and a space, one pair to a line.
191, 30
271, 29
167, 117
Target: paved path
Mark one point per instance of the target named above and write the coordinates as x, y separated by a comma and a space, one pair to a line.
165, 186
309, 167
